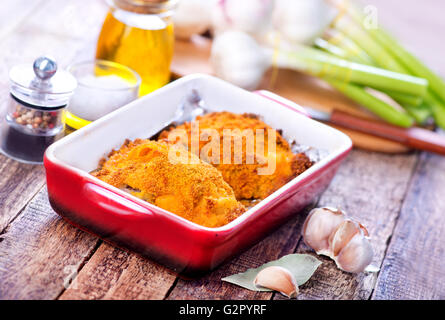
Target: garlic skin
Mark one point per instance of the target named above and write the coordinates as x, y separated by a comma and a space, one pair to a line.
192, 17
278, 279
331, 233
318, 227
236, 57
250, 16
302, 21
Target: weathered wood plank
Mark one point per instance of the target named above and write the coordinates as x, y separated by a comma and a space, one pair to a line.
370, 187
18, 184
41, 245
115, 274
14, 12
40, 252
414, 265
112, 273
280, 243
357, 189
56, 28
79, 19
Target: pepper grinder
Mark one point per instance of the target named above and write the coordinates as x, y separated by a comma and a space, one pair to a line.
34, 118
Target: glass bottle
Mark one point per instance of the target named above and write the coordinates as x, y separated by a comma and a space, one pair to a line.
34, 118
139, 34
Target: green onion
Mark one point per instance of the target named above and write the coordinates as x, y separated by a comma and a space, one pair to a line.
334, 50
347, 49
437, 108
375, 105
406, 62
324, 65
414, 65
352, 51
420, 113
355, 32
403, 99
339, 52
408, 102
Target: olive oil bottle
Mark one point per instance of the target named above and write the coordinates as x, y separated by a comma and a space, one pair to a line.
139, 34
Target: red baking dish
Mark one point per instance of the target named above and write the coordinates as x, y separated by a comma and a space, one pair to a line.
129, 222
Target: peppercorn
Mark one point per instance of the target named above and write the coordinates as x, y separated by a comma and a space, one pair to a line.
34, 119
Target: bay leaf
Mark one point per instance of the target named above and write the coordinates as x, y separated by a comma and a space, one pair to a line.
301, 266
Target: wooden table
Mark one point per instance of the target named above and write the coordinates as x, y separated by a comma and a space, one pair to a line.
400, 198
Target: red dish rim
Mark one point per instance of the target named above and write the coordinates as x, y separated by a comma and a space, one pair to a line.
266, 203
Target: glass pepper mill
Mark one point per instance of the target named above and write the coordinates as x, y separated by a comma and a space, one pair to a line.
34, 114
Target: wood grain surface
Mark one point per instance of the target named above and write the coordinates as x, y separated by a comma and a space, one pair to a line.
414, 266
40, 253
399, 198
113, 273
358, 190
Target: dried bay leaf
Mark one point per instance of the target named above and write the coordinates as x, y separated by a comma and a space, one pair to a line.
301, 266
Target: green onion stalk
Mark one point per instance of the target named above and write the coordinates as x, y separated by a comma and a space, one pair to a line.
437, 108
340, 52
393, 56
351, 49
375, 105
334, 50
325, 65
356, 33
381, 57
421, 113
409, 102
333, 70
345, 48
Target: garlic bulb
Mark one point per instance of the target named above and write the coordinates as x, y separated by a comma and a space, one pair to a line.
236, 57
251, 16
192, 17
278, 279
331, 233
302, 21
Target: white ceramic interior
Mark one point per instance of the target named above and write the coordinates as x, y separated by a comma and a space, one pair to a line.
82, 150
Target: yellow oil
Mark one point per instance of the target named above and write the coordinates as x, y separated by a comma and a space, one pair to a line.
143, 42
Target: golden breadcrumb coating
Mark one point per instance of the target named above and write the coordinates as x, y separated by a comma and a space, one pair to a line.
196, 192
244, 178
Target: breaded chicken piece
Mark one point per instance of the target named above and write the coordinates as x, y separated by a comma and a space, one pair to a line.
245, 178
196, 192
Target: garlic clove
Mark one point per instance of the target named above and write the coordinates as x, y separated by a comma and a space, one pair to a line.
278, 279
318, 227
192, 17
302, 21
356, 255
341, 237
330, 232
250, 16
237, 58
